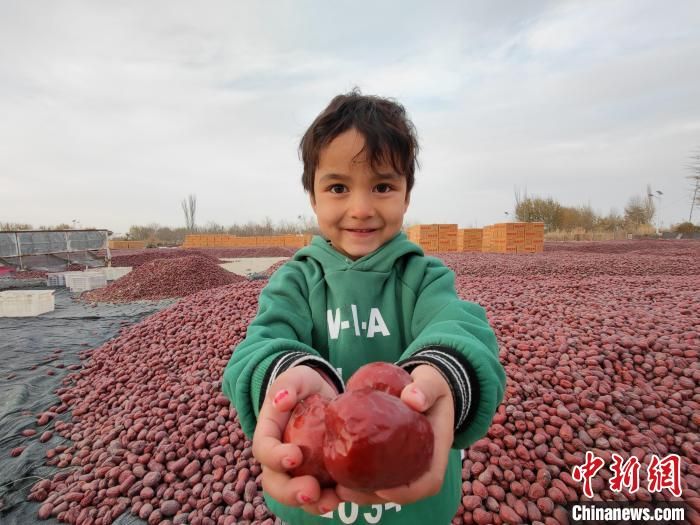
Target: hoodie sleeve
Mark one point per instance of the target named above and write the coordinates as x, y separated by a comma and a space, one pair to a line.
277, 339
454, 336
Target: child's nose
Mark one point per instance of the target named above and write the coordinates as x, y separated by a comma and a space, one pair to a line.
361, 206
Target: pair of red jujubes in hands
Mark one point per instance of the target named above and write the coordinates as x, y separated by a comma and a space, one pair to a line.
366, 438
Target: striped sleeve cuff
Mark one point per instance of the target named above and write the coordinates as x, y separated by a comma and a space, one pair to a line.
458, 373
290, 359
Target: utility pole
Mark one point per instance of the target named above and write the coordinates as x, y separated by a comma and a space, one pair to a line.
694, 166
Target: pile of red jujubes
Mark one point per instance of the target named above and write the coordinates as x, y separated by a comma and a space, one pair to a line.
33, 274
260, 251
151, 432
645, 246
569, 263
598, 363
75, 267
165, 278
597, 360
137, 259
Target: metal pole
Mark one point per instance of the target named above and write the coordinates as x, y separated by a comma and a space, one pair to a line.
692, 203
109, 254
19, 251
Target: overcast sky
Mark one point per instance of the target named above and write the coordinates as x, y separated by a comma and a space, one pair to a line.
112, 112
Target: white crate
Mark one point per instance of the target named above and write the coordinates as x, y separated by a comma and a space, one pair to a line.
26, 303
55, 279
87, 281
68, 277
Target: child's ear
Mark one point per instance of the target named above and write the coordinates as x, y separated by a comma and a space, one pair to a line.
312, 199
408, 201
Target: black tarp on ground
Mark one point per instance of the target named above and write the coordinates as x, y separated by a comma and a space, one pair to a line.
27, 346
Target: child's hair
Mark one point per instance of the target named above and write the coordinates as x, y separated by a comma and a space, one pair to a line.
389, 134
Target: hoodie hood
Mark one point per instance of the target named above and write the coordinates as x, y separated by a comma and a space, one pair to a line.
381, 260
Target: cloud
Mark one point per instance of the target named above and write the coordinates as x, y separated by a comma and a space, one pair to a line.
112, 113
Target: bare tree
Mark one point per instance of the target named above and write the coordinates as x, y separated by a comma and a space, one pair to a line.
537, 209
213, 227
640, 210
268, 227
694, 167
189, 207
307, 224
12, 226
519, 198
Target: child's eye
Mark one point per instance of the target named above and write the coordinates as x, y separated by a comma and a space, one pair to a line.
337, 188
383, 188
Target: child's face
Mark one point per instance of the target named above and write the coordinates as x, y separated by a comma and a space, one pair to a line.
357, 209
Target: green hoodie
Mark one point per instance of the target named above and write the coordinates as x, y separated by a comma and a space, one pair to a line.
384, 306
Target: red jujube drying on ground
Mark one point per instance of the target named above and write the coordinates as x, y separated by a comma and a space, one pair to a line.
386, 377
375, 441
306, 429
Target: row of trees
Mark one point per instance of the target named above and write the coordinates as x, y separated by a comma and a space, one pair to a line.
156, 233
12, 226
16, 226
639, 211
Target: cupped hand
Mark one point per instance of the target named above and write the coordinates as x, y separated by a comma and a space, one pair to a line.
276, 457
429, 394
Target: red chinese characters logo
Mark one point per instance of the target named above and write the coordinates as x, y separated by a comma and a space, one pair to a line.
661, 473
665, 474
624, 474
586, 472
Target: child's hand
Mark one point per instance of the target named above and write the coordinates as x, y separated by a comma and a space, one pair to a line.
430, 394
276, 457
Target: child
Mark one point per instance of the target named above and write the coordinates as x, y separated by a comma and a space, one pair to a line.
364, 293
